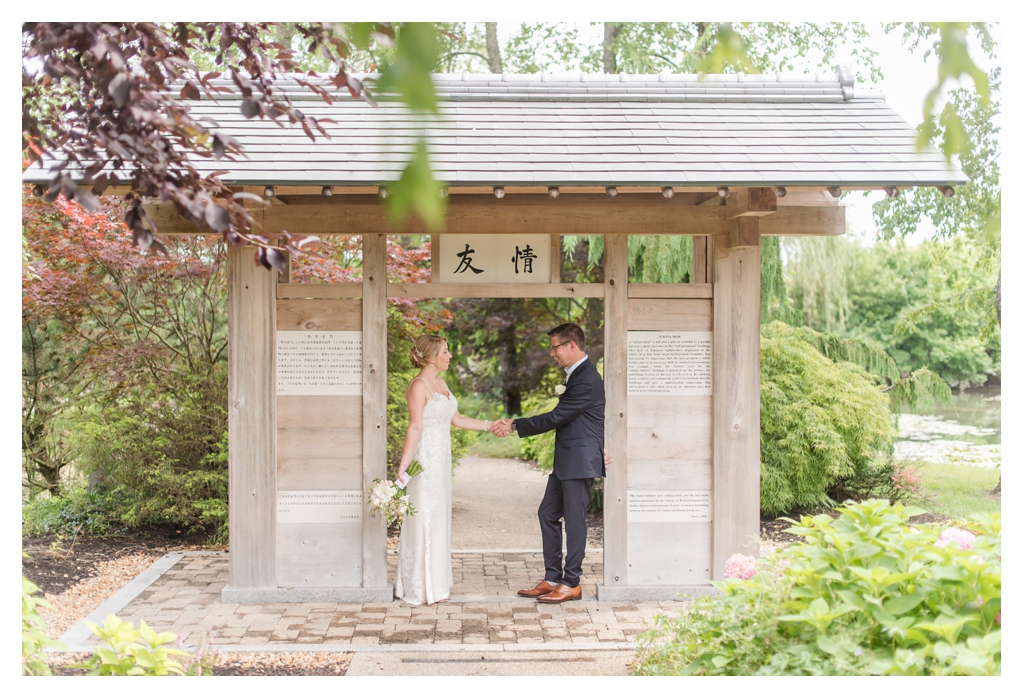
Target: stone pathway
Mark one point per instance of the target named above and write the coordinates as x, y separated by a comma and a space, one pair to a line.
483, 611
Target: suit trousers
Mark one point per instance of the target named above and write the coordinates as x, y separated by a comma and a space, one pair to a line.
568, 499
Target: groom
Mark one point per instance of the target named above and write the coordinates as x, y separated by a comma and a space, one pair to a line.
578, 420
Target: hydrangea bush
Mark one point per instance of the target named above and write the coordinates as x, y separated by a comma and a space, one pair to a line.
865, 594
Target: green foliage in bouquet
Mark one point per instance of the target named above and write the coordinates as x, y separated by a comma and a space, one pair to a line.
867, 593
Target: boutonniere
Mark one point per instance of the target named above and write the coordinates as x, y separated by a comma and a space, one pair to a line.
559, 389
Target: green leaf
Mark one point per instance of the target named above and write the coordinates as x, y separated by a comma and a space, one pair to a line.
417, 190
818, 607
719, 660
903, 604
829, 646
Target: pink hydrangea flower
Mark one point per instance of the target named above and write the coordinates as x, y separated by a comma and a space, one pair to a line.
962, 539
740, 566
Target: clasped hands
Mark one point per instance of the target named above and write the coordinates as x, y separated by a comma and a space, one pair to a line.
501, 427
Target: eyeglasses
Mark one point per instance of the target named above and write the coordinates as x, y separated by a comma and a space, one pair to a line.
555, 346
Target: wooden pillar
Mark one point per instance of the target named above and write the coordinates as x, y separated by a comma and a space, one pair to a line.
555, 258
736, 375
251, 421
435, 258
699, 275
374, 402
616, 356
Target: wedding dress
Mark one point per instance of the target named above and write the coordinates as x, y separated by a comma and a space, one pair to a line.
424, 546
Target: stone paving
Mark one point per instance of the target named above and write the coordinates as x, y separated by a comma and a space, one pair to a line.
186, 599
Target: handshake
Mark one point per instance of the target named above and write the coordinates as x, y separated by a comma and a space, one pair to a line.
501, 427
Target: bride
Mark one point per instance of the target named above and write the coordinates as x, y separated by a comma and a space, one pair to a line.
424, 547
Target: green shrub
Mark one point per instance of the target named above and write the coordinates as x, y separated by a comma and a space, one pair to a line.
161, 453
34, 640
74, 511
539, 448
826, 429
132, 652
865, 594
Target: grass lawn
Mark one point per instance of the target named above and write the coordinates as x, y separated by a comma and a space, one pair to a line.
957, 491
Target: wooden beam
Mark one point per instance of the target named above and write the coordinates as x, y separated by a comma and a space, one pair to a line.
495, 290
751, 201
805, 220
639, 214
736, 375
807, 198
745, 232
694, 290
616, 388
350, 290
251, 422
374, 403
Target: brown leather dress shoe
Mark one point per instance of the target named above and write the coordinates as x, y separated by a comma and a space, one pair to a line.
544, 587
562, 593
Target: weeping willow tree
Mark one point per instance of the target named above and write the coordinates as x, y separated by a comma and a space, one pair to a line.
817, 274
653, 259
668, 259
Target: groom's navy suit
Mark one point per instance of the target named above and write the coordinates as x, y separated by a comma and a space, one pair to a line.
578, 420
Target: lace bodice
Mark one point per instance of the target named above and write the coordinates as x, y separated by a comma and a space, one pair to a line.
435, 441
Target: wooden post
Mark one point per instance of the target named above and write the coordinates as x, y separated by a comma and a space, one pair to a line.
736, 375
374, 402
699, 275
251, 421
555, 258
435, 258
616, 355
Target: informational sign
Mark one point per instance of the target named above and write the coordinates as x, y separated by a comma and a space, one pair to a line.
670, 363
319, 363
668, 506
319, 506
501, 259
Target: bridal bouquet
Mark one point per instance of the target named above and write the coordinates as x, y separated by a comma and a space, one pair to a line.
391, 501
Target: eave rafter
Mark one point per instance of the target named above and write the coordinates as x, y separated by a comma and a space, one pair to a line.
799, 213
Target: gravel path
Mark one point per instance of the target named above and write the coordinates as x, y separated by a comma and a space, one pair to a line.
494, 502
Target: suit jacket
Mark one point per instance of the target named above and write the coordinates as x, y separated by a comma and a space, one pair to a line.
578, 420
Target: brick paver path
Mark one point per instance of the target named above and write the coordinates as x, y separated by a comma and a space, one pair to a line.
186, 599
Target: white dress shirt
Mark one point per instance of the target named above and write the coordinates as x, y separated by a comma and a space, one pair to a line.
568, 371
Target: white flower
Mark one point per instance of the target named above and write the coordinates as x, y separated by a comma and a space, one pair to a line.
559, 389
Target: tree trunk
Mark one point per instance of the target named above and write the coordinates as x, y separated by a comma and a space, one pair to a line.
493, 48
611, 31
510, 388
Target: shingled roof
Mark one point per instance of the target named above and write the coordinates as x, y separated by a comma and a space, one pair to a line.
593, 129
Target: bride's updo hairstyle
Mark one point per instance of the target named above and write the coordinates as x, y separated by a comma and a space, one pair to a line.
425, 349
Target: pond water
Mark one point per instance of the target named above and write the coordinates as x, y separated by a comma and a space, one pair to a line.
967, 433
